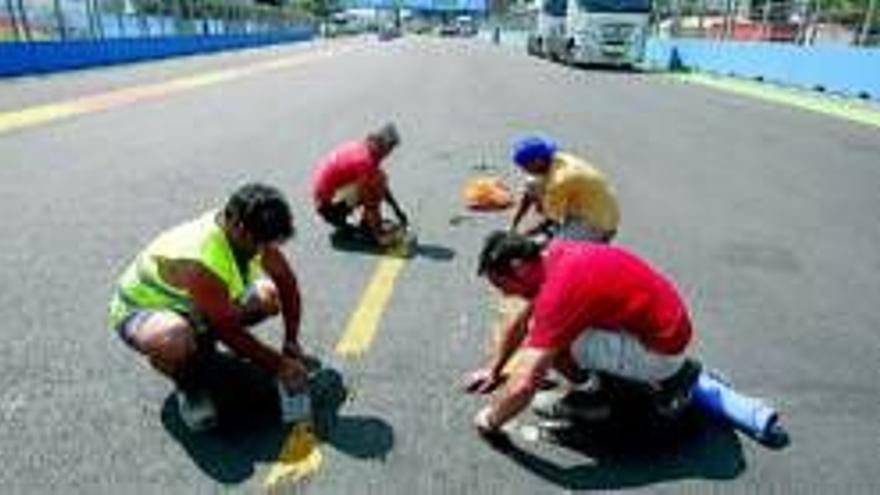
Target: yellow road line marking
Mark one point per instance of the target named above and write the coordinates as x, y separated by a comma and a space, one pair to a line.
35, 116
299, 459
42, 114
364, 321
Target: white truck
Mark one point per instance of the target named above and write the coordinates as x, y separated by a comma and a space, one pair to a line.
591, 32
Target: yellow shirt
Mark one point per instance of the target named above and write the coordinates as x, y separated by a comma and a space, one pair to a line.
575, 190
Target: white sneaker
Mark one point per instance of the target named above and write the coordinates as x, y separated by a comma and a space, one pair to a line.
197, 410
573, 405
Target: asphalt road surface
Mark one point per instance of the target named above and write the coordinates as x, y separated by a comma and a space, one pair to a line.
765, 215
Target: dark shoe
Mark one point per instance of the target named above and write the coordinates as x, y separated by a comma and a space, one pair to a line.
675, 393
196, 409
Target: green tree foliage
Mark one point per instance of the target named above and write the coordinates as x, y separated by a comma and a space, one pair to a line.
221, 9
320, 9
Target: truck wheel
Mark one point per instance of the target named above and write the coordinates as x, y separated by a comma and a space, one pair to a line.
568, 53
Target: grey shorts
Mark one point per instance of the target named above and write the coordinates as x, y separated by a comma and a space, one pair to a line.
620, 354
128, 326
137, 317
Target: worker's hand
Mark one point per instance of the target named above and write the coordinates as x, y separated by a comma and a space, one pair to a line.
292, 374
482, 381
293, 350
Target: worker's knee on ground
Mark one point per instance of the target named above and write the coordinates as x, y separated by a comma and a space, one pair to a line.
335, 214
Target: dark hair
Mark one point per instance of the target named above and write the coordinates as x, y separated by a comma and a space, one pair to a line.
263, 212
386, 137
502, 248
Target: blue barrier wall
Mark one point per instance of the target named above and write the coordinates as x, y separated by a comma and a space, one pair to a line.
841, 69
50, 56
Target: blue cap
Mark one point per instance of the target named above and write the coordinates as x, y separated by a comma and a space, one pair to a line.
532, 148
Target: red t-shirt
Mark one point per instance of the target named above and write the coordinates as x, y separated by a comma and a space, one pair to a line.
349, 162
602, 286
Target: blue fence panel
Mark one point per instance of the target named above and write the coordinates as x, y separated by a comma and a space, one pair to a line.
50, 56
838, 68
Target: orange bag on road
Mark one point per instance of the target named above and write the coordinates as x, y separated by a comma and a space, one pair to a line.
486, 193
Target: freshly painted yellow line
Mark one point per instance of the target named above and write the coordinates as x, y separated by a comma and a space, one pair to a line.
42, 114
849, 109
363, 323
35, 116
299, 459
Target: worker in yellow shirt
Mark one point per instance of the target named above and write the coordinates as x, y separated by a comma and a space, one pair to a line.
574, 199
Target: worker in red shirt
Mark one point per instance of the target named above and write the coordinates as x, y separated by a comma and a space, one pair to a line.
350, 180
591, 307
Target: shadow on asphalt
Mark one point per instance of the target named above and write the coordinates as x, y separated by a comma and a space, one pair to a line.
434, 252
250, 432
631, 455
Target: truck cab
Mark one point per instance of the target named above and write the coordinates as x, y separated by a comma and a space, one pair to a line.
549, 27
600, 32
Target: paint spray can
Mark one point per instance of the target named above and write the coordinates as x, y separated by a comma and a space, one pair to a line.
295, 407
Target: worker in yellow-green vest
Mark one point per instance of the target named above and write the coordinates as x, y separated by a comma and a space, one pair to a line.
208, 280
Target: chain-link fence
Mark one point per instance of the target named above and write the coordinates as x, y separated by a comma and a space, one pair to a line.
37, 20
852, 22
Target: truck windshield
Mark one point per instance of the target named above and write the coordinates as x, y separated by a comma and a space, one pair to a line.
629, 6
555, 8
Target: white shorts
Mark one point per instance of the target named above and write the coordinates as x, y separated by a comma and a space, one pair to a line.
348, 194
621, 354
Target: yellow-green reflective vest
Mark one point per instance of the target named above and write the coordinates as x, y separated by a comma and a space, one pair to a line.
200, 240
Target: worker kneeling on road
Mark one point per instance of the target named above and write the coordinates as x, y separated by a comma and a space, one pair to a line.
350, 180
208, 280
591, 307
575, 200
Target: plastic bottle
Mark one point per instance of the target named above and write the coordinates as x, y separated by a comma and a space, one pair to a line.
295, 407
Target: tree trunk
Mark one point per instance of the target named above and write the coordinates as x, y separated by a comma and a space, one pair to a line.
59, 19
817, 16
765, 18
13, 19
23, 21
869, 21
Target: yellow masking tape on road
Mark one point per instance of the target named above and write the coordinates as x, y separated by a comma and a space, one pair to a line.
42, 114
364, 322
34, 116
299, 459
